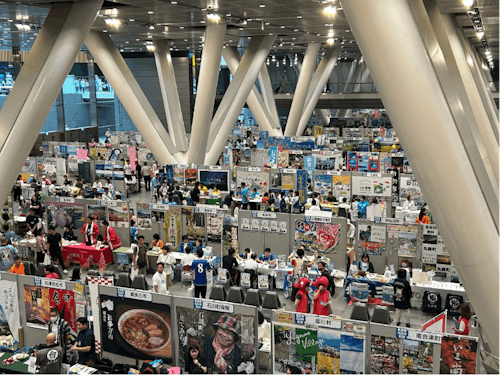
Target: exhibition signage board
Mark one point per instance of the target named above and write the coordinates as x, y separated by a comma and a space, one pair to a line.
134, 294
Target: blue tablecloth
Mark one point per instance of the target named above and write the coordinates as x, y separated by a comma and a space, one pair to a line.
372, 285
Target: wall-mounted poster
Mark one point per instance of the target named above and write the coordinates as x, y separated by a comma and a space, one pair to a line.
283, 159
190, 174
283, 227
245, 223
341, 187
39, 300
317, 236
296, 161
9, 311
225, 342
255, 224
195, 223
60, 214
173, 226
118, 216
258, 180
407, 244
372, 186
352, 359
458, 356
287, 181
97, 212
417, 357
328, 351
143, 216
384, 357
259, 157
136, 329
408, 186
371, 248
323, 185
372, 232
179, 178
295, 349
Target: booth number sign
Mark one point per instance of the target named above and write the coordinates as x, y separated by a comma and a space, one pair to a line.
134, 294
50, 283
202, 304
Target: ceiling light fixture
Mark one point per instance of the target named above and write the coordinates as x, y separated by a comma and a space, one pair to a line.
150, 47
330, 11
213, 17
173, 2
299, 16
150, 12
330, 41
262, 5
151, 27
480, 35
468, 3
131, 19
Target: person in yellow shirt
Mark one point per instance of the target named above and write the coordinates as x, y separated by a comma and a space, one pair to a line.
203, 188
215, 191
17, 267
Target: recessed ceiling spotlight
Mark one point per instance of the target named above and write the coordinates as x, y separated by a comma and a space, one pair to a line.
241, 28
150, 12
127, 42
228, 14
330, 10
173, 2
213, 17
131, 19
296, 30
105, 31
262, 5
182, 27
299, 16
151, 27
283, 26
202, 21
267, 23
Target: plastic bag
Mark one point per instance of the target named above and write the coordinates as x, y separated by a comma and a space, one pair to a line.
46, 260
133, 273
190, 291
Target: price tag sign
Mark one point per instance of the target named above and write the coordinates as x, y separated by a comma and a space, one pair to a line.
134, 294
50, 283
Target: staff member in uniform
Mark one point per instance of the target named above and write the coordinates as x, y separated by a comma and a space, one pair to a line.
91, 231
85, 343
110, 236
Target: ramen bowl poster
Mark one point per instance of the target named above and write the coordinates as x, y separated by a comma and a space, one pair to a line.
136, 329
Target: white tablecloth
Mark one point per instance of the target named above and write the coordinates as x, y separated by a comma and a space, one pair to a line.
443, 288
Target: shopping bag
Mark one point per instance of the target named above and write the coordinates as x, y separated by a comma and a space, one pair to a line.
46, 260
133, 273
190, 291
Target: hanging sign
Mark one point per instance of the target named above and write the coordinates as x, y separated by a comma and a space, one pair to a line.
50, 283
202, 304
134, 294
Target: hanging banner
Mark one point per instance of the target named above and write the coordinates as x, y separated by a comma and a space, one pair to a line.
173, 226
287, 181
132, 157
309, 165
317, 236
302, 185
372, 186
458, 356
283, 159
82, 154
341, 187
136, 329
9, 310
273, 156
258, 180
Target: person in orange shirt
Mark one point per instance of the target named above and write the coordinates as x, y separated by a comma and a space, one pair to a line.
422, 217
17, 267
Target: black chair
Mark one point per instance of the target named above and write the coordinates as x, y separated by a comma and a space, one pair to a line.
29, 268
123, 280
381, 315
94, 273
342, 212
139, 283
235, 295
253, 298
218, 293
56, 270
271, 301
40, 270
360, 312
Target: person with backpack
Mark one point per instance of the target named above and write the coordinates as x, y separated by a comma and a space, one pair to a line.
402, 297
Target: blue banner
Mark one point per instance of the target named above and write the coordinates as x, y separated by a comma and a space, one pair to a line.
309, 165
273, 156
302, 185
64, 150
260, 144
264, 135
169, 174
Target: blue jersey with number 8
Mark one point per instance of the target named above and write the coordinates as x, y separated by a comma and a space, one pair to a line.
199, 266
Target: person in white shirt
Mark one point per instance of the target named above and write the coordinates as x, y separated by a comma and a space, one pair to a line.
52, 189
237, 209
409, 204
314, 206
127, 170
354, 204
106, 196
189, 257
108, 185
160, 279
251, 264
351, 230
97, 184
168, 260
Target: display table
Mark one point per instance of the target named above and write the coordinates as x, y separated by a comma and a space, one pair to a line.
263, 269
179, 257
374, 287
326, 207
81, 253
16, 368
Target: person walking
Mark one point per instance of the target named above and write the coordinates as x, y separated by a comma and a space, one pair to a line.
138, 174
402, 297
147, 177
54, 242
160, 279
140, 259
362, 208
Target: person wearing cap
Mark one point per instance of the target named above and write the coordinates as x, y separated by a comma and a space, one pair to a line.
46, 180
32, 179
91, 231
110, 236
221, 353
267, 257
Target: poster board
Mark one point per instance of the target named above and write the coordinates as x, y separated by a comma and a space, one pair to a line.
71, 212
408, 186
372, 184
254, 177
198, 320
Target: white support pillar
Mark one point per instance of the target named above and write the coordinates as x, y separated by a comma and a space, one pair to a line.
300, 94
205, 93
268, 96
462, 86
254, 101
170, 94
324, 70
39, 82
418, 107
132, 97
325, 115
349, 85
245, 78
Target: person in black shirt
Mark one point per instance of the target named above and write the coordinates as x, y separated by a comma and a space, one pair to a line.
68, 234
54, 242
195, 193
138, 173
85, 343
36, 203
229, 262
331, 198
402, 297
323, 268
228, 199
32, 222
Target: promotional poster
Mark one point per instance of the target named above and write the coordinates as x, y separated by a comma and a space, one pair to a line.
458, 356
60, 214
317, 236
220, 342
136, 329
384, 357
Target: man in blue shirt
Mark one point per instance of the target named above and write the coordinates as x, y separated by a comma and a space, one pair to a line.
267, 257
7, 253
85, 343
184, 243
362, 208
244, 196
245, 255
199, 269
155, 182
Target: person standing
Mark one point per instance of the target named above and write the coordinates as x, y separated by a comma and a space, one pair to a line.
230, 263
463, 321
138, 174
127, 170
422, 217
155, 183
55, 243
402, 297
362, 208
110, 236
65, 336
244, 196
195, 193
41, 246
325, 272
85, 343
160, 279
32, 222
140, 258
91, 231
321, 297
199, 268
302, 304
50, 357
168, 260
7, 253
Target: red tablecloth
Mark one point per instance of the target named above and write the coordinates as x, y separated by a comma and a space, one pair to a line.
82, 253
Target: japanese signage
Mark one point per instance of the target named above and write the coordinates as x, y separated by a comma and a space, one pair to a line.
134, 294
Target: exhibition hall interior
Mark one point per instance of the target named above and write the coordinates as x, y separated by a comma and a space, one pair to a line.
249, 187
